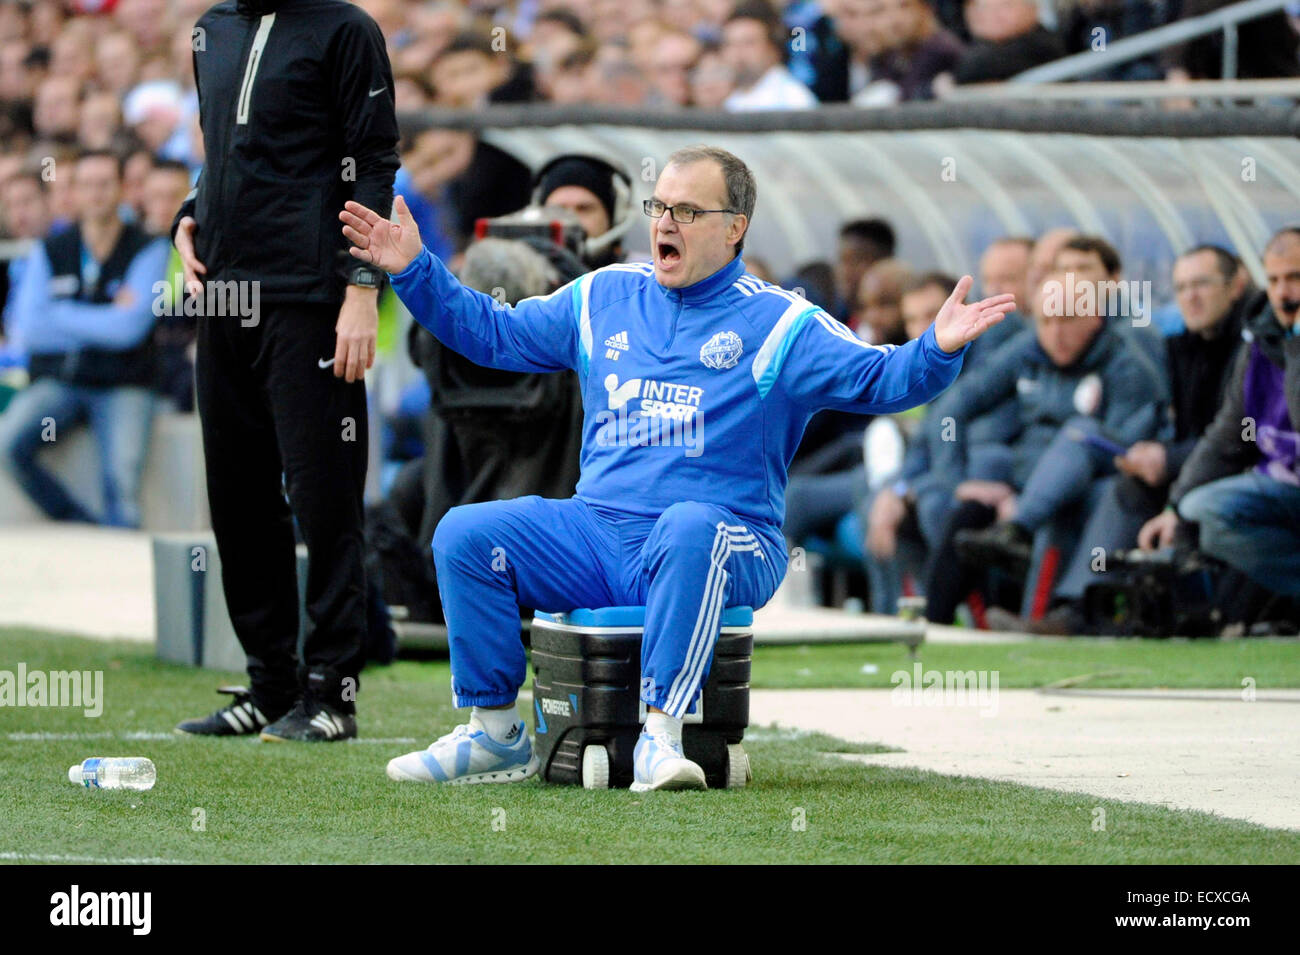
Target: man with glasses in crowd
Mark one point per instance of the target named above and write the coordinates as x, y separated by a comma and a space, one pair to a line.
685, 345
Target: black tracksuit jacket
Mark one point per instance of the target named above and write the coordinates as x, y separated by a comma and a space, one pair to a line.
296, 106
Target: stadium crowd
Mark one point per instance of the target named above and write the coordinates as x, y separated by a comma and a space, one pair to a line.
1065, 434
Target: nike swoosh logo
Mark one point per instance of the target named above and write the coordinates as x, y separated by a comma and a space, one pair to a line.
324, 363
378, 91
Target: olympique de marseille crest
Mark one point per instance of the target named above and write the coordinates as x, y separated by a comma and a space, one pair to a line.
721, 351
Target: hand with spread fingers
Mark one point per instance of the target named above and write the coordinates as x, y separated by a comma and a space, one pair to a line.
388, 244
958, 324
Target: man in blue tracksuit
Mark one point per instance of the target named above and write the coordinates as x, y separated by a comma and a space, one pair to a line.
698, 380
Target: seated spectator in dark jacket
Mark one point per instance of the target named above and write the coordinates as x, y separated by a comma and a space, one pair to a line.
1072, 371
1241, 484
1091, 260
1213, 296
922, 48
864, 27
84, 315
1008, 40
1091, 25
1266, 47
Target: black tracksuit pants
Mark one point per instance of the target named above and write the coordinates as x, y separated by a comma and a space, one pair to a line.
268, 410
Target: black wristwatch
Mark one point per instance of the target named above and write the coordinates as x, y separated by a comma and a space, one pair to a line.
365, 277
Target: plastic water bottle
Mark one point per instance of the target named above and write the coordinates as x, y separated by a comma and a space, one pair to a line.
114, 772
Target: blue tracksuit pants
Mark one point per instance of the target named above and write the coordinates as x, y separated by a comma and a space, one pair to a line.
684, 566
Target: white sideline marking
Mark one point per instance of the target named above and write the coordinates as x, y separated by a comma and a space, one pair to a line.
51, 857
149, 735
44, 737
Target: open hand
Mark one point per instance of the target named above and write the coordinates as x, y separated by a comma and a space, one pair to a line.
958, 323
389, 244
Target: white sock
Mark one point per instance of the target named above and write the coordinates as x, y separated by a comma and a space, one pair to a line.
661, 723
497, 723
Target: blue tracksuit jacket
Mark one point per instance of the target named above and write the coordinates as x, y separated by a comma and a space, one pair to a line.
693, 394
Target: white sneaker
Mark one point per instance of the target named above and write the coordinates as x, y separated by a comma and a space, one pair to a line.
658, 763
468, 755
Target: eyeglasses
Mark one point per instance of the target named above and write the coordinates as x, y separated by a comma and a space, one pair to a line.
680, 213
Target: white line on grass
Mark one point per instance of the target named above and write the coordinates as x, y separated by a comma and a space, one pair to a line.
52, 857
46, 737
146, 735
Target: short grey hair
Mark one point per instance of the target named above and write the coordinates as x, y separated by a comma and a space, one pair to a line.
742, 193
518, 270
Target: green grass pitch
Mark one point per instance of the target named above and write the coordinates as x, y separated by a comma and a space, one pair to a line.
240, 801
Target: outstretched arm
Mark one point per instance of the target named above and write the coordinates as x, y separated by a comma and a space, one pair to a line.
544, 333
830, 367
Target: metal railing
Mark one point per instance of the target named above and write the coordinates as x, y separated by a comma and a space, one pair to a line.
1152, 41
1098, 93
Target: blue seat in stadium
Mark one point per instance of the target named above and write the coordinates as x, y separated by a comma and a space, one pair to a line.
587, 702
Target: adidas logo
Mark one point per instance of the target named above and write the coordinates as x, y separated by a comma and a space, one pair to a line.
328, 724
514, 733
615, 344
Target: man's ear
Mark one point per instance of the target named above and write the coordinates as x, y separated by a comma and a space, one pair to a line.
736, 231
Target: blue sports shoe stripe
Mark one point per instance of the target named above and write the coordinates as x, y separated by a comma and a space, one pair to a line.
463, 750
433, 766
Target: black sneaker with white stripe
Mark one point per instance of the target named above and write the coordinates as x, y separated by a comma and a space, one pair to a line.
311, 722
242, 717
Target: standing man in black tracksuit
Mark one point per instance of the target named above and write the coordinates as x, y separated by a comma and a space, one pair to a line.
297, 111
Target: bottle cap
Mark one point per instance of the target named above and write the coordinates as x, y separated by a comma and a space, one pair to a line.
74, 774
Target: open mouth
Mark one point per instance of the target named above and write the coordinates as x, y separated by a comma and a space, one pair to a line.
669, 255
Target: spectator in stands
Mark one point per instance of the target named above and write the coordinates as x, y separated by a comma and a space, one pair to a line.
1042, 260
818, 55
712, 80
879, 317
1091, 260
1241, 484
26, 215
896, 461
920, 48
753, 44
1214, 297
1004, 267
923, 496
83, 314
1008, 40
164, 190
864, 25
862, 243
1090, 25
828, 467
117, 62
57, 109
572, 79
615, 79
100, 124
1073, 372
555, 34
1266, 47
471, 72
674, 57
